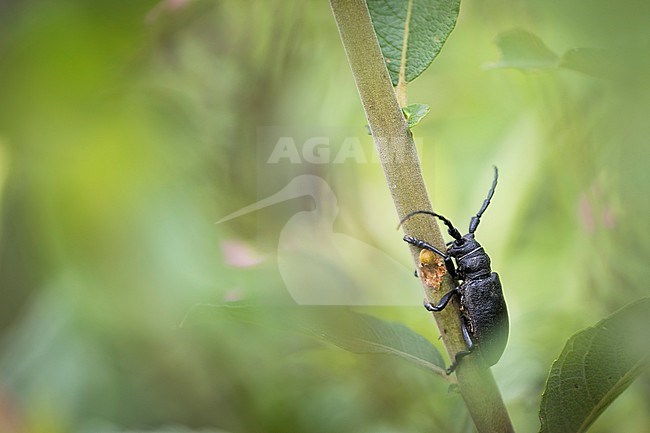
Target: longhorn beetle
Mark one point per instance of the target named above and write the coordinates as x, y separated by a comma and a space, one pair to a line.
484, 317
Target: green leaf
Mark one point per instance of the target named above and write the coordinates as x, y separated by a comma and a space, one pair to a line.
428, 25
596, 366
354, 332
361, 333
523, 50
414, 113
598, 63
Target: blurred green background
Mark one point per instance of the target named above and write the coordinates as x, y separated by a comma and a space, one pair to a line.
127, 129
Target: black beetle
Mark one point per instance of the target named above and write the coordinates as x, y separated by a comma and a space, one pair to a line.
484, 316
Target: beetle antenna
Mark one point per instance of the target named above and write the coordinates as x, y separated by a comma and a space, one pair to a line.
473, 224
453, 231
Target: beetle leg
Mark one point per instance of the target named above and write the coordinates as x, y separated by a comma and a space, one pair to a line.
466, 336
443, 301
463, 353
449, 264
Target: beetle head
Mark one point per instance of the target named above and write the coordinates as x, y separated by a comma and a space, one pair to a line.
464, 245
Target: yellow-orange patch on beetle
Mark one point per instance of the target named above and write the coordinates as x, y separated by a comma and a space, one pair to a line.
431, 269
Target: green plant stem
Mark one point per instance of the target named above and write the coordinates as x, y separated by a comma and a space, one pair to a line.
401, 167
400, 89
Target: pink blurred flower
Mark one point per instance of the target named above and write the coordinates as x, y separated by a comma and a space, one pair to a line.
608, 217
586, 214
234, 295
238, 254
165, 6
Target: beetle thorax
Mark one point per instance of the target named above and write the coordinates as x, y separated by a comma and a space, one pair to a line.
471, 259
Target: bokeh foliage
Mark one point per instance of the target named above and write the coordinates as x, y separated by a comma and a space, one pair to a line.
128, 128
